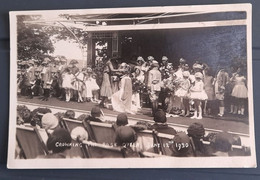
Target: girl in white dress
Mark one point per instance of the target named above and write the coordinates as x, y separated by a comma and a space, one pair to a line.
91, 86
239, 93
182, 93
198, 94
68, 78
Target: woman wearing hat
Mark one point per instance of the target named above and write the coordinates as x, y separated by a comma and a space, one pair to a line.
198, 94
122, 99
106, 88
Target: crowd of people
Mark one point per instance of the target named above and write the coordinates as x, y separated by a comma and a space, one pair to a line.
183, 144
184, 90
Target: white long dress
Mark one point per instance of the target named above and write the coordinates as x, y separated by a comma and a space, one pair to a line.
122, 99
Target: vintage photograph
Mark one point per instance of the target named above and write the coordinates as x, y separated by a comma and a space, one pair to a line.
145, 87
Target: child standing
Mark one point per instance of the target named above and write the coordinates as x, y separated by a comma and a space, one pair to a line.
67, 83
197, 93
209, 89
182, 93
240, 94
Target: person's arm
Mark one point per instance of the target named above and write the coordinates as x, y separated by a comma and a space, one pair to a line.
110, 65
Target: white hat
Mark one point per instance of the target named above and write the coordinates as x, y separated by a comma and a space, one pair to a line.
150, 58
80, 133
155, 63
164, 58
186, 73
140, 58
49, 121
198, 75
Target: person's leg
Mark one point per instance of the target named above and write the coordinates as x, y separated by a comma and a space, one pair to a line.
47, 94
221, 108
29, 92
205, 109
182, 108
186, 106
196, 109
242, 106
199, 110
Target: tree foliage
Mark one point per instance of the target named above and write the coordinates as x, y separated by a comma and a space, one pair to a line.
32, 41
35, 41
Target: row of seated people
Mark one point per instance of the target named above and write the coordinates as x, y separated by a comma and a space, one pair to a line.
89, 136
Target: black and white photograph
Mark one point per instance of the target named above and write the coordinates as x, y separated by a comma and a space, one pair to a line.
140, 87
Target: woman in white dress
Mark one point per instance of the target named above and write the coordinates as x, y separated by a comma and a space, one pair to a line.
122, 99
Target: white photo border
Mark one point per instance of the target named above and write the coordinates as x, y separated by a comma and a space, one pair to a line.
168, 162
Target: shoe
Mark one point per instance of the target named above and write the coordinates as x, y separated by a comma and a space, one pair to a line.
220, 115
195, 115
199, 117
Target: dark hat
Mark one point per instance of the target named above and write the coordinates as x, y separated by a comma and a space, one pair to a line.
124, 135
96, 111
196, 130
59, 140
181, 144
160, 116
121, 119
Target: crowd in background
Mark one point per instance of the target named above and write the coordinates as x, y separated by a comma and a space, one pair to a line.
185, 90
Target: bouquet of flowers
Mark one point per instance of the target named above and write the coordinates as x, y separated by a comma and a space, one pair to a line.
139, 87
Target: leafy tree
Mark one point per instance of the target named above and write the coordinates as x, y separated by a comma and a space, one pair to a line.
32, 41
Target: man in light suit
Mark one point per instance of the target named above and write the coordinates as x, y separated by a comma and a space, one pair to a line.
154, 85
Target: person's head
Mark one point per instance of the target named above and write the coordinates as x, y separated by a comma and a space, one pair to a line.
54, 72
37, 71
150, 60
160, 117
82, 117
96, 112
181, 146
196, 130
127, 70
125, 135
79, 133
164, 60
155, 64
59, 141
140, 60
197, 67
137, 71
121, 119
49, 121
182, 61
31, 63
63, 61
69, 114
198, 76
186, 74
222, 142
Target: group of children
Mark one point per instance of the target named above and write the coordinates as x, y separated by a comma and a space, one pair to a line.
147, 83
57, 79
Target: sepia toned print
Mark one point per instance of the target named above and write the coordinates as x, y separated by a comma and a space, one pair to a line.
142, 87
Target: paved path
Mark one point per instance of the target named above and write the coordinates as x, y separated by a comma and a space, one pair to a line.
228, 123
